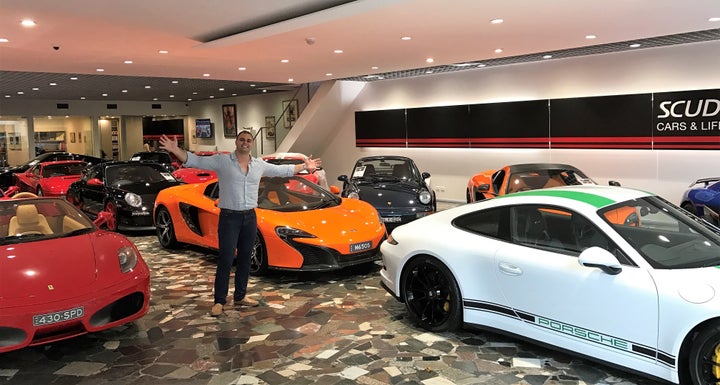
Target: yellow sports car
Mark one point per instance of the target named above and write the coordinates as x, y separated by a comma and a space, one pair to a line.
301, 226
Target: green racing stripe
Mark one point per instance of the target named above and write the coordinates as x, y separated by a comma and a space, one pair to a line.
592, 199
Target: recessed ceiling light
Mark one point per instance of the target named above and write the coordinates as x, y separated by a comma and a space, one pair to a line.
429, 60
162, 51
291, 80
547, 56
27, 23
481, 65
8, 96
496, 21
252, 85
155, 99
148, 87
635, 45
498, 50
242, 68
714, 19
189, 100
284, 61
172, 96
82, 98
338, 51
104, 94
405, 38
100, 69
128, 62
374, 67
36, 89
234, 94
20, 93
175, 82
206, 75
328, 74
212, 96
53, 84
124, 91
221, 89
428, 71
3, 40
194, 92
74, 78
590, 37
264, 90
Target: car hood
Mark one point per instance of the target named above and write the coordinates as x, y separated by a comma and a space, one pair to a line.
142, 188
38, 271
352, 221
389, 194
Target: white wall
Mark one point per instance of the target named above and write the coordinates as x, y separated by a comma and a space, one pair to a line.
666, 172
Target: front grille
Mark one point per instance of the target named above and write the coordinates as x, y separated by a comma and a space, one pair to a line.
321, 258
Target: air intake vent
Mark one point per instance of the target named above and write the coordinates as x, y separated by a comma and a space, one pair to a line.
112, 106
62, 106
157, 106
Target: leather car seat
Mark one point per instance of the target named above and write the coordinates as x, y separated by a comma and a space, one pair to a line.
28, 220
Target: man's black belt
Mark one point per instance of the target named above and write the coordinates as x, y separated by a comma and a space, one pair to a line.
248, 211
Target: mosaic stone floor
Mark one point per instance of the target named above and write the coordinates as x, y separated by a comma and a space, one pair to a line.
321, 328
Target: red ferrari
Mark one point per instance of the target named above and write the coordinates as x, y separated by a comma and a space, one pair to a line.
50, 178
196, 175
61, 276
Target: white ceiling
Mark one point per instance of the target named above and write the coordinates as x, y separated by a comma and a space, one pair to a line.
216, 37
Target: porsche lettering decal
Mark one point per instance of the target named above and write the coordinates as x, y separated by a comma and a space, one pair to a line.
583, 333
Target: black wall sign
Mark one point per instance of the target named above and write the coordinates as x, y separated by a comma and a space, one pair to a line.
687, 120
684, 120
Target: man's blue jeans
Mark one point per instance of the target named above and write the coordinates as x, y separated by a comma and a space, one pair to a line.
236, 231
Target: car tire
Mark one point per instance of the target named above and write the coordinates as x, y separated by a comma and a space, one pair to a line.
431, 294
705, 356
258, 257
165, 229
112, 223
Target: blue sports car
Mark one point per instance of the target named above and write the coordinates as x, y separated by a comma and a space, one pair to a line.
702, 198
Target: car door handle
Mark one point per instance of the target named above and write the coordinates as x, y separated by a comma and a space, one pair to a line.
509, 269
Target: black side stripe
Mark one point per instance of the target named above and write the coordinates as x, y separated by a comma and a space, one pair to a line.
646, 351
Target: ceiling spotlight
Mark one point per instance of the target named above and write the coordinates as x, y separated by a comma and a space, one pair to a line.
3, 40
590, 37
241, 68
547, 56
27, 23
162, 51
74, 78
496, 21
498, 50
338, 51
100, 69
128, 62
714, 19
291, 80
175, 82
635, 45
429, 60
405, 38
284, 61
206, 75
221, 89
53, 84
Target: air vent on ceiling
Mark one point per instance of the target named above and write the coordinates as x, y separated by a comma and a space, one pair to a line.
112, 106
157, 106
62, 106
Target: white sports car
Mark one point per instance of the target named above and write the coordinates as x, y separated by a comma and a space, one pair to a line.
608, 273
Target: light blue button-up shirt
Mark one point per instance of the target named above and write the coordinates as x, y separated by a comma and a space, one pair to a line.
238, 191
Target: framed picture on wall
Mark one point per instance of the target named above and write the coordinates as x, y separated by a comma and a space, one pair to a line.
229, 120
290, 112
72, 137
270, 126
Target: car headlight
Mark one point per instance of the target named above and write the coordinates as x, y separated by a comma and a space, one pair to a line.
425, 196
133, 199
353, 195
286, 232
128, 258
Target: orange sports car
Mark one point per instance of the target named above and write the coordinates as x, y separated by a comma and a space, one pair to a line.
301, 226
521, 177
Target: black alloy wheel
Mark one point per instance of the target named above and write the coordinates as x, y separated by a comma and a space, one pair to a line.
704, 362
165, 229
258, 257
431, 295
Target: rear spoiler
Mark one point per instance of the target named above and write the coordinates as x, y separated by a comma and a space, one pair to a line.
705, 181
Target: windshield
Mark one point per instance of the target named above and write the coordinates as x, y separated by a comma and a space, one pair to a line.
665, 235
66, 169
538, 179
27, 220
385, 169
293, 194
124, 174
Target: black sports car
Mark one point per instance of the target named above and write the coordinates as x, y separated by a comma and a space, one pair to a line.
162, 157
6, 173
125, 191
393, 185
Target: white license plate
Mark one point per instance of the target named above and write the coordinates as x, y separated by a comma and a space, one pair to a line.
58, 316
360, 246
391, 219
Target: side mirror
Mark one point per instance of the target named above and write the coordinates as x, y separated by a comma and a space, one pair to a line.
600, 258
343, 178
483, 187
94, 182
614, 183
425, 175
335, 189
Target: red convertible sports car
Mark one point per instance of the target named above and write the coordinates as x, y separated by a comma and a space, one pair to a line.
61, 276
50, 178
301, 226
